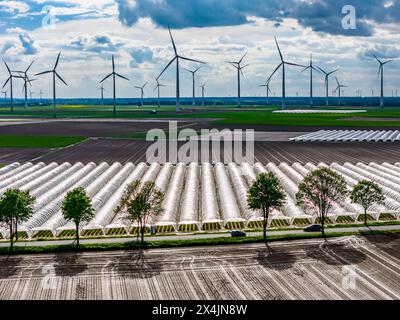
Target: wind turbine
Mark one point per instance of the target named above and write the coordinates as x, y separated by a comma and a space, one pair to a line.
158, 86
141, 93
327, 75
267, 86
203, 89
380, 73
283, 65
102, 94
24, 75
30, 94
5, 94
55, 74
238, 66
10, 80
312, 68
193, 72
177, 58
114, 74
41, 94
339, 89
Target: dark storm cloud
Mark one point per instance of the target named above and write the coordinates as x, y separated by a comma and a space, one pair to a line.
321, 16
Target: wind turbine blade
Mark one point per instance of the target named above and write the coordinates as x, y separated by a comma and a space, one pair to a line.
337, 81
387, 62
173, 42
377, 58
29, 66
240, 61
59, 77
9, 71
247, 65
197, 69
58, 59
145, 85
294, 64
306, 68
188, 59
122, 77
277, 68
106, 78
279, 49
332, 72
166, 67
113, 63
323, 71
45, 72
6, 82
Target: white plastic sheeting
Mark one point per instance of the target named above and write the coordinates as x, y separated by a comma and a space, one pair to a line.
209, 203
189, 212
350, 135
229, 206
196, 196
172, 198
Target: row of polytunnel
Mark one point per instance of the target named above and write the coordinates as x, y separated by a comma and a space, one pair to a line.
197, 197
350, 136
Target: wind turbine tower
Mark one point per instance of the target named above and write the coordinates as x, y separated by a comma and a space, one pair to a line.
311, 68
327, 75
339, 90
55, 74
141, 93
10, 80
203, 89
24, 75
114, 75
381, 74
158, 87
193, 72
238, 66
283, 65
102, 94
177, 58
267, 86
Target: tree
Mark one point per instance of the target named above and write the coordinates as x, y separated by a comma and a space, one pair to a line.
16, 206
265, 194
319, 190
77, 207
366, 193
141, 202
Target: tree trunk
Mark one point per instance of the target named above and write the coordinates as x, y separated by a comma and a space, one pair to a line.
266, 213
11, 237
365, 217
16, 230
77, 234
323, 225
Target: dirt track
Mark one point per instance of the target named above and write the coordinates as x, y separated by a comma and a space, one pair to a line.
346, 269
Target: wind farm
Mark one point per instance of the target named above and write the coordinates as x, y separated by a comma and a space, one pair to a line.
180, 150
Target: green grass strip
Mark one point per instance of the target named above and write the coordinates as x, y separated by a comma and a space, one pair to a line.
11, 141
182, 243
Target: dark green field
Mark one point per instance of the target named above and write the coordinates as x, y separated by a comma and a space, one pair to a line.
37, 142
389, 117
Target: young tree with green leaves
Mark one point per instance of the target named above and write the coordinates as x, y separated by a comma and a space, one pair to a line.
266, 194
77, 207
319, 190
16, 206
141, 202
366, 193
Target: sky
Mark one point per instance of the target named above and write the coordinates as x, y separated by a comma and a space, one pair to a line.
89, 32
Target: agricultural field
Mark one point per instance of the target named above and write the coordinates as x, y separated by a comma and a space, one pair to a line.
375, 117
197, 197
305, 269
